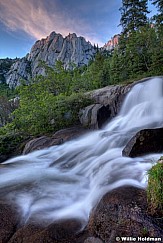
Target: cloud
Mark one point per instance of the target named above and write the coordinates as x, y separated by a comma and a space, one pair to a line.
38, 17
28, 16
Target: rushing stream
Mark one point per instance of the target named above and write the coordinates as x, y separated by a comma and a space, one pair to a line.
68, 180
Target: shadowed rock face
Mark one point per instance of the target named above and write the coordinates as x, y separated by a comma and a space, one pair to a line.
144, 142
94, 116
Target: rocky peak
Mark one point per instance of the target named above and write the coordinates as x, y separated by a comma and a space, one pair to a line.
112, 43
70, 50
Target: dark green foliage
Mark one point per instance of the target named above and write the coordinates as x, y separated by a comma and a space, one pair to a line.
97, 75
139, 55
48, 103
155, 189
6, 106
159, 16
10, 144
6, 91
133, 15
5, 65
41, 110
5, 110
116, 67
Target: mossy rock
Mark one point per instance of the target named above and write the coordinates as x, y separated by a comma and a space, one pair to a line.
155, 189
11, 145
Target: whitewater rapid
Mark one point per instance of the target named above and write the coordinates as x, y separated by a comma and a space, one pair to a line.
67, 181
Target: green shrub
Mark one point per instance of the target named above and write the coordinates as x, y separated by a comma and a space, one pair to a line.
155, 189
11, 142
46, 113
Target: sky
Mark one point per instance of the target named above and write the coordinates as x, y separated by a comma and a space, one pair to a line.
22, 22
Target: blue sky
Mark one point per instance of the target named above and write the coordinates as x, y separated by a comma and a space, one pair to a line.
22, 22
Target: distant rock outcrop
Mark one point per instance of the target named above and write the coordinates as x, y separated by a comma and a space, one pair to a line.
21, 69
112, 43
71, 50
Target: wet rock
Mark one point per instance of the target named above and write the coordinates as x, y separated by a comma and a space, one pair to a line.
122, 212
66, 231
40, 143
94, 116
8, 221
59, 137
144, 142
93, 240
111, 97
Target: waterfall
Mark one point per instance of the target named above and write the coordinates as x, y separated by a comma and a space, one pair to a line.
67, 181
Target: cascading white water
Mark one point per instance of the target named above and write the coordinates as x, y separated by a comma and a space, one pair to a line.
68, 180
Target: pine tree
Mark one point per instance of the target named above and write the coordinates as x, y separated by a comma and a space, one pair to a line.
159, 4
159, 16
133, 15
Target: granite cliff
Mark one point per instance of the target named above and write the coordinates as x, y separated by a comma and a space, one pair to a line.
70, 50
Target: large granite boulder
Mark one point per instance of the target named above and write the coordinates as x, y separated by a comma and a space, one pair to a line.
107, 102
144, 142
122, 213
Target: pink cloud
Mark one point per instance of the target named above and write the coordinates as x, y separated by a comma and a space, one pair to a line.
32, 17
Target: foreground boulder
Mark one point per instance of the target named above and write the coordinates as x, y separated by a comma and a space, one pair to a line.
65, 231
8, 221
122, 213
144, 142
